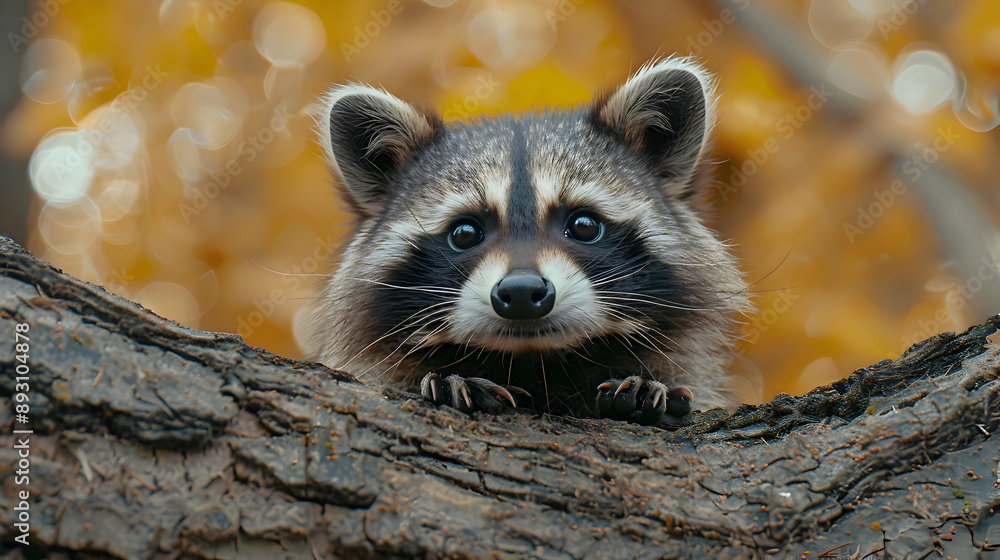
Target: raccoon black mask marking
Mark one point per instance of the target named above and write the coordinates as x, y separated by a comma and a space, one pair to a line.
550, 252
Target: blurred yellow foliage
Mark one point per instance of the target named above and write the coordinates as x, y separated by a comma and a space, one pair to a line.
206, 198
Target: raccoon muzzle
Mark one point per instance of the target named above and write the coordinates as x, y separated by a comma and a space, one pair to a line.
523, 294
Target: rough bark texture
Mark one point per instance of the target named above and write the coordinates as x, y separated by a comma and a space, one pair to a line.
152, 440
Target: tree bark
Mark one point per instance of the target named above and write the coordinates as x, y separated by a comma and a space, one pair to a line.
153, 440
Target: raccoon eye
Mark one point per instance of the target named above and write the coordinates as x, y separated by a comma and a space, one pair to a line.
584, 226
465, 234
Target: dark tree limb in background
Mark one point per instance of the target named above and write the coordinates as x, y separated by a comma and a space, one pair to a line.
153, 440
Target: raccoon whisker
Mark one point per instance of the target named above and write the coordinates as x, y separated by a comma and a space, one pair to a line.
510, 369
415, 318
773, 270
427, 289
464, 351
653, 348
418, 260
664, 341
646, 327
465, 355
488, 353
424, 315
607, 276
430, 322
705, 262
612, 279
582, 357
614, 301
415, 348
468, 340
420, 344
643, 366
743, 308
593, 326
431, 350
629, 313
640, 298
624, 264
616, 246
629, 322
648, 298
650, 344
628, 339
545, 383
678, 263
389, 355
411, 321
303, 274
637, 328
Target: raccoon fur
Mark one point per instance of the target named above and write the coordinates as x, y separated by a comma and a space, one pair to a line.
556, 252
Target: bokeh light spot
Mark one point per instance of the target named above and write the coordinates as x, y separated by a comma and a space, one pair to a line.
206, 111
118, 199
838, 24
860, 71
61, 168
923, 80
70, 228
510, 35
49, 70
177, 15
185, 148
288, 34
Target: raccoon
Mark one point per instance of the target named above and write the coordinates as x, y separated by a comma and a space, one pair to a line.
556, 252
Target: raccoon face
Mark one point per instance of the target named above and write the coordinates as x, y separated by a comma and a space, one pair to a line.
554, 234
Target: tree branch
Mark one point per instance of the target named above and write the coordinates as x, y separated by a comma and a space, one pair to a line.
153, 440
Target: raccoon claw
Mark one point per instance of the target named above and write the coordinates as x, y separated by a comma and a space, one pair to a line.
641, 401
467, 394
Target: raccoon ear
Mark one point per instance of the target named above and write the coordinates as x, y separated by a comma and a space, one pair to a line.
367, 135
666, 112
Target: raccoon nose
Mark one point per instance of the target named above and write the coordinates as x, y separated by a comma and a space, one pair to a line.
523, 294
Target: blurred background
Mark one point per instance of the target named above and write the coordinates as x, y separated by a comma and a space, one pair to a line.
163, 149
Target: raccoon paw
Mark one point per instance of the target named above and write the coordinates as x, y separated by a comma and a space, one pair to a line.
467, 394
641, 401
